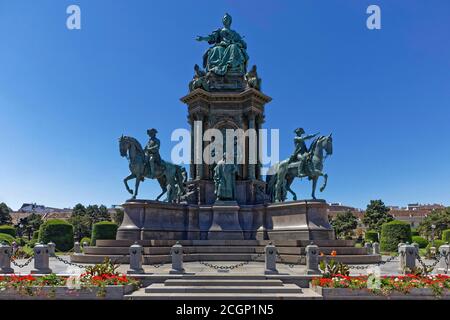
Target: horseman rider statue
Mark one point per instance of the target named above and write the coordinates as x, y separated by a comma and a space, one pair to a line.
301, 152
153, 159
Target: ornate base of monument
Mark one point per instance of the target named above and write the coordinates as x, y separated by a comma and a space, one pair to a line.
225, 222
294, 220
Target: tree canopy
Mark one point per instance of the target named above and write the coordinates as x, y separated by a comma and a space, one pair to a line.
376, 215
344, 223
438, 217
5, 214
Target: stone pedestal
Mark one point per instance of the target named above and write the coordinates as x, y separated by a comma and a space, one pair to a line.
298, 220
225, 224
225, 220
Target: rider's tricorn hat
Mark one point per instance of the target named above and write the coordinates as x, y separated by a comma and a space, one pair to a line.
152, 130
299, 130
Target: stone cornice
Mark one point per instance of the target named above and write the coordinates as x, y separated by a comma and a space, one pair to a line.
218, 97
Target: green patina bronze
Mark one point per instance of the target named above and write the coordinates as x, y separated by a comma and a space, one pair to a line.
225, 180
147, 163
228, 52
303, 163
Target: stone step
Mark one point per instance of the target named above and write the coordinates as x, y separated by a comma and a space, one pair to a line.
222, 282
279, 243
223, 249
155, 259
228, 288
306, 294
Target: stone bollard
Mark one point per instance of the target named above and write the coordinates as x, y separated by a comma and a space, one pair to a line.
41, 259
444, 251
136, 251
177, 259
368, 247
5, 259
376, 248
407, 254
51, 248
399, 245
76, 248
312, 259
271, 259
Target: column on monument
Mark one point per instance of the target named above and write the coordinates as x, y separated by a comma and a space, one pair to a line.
200, 166
251, 155
192, 168
259, 122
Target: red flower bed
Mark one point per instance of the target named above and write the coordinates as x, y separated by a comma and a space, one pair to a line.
438, 283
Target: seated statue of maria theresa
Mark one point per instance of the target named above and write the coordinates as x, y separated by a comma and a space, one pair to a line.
228, 53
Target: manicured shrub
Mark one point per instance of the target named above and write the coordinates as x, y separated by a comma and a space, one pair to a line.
421, 241
371, 236
36, 235
104, 230
414, 232
58, 231
6, 238
393, 233
446, 235
8, 230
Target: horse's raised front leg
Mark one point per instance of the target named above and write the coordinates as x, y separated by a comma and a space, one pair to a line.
125, 181
325, 177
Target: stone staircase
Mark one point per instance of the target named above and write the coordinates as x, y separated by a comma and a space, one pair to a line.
158, 251
223, 287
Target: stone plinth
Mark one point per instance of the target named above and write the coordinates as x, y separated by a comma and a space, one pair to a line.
298, 220
225, 223
295, 220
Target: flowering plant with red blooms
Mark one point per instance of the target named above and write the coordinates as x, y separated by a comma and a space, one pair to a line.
98, 276
438, 283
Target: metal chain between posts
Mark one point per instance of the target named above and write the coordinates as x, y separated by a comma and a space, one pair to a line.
290, 264
18, 265
241, 264
68, 262
431, 266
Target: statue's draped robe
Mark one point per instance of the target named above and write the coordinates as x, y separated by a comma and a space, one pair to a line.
225, 180
227, 54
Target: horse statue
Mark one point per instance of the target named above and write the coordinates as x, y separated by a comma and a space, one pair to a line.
284, 172
171, 177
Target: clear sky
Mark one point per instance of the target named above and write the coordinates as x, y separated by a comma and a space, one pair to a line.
67, 96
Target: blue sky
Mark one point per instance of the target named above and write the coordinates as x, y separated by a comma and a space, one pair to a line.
66, 96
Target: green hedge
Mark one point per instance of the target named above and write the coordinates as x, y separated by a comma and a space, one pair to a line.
8, 230
421, 241
393, 233
58, 231
4, 237
414, 232
104, 230
371, 236
36, 235
446, 235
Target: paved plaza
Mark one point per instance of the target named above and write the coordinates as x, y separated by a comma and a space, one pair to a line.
58, 267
